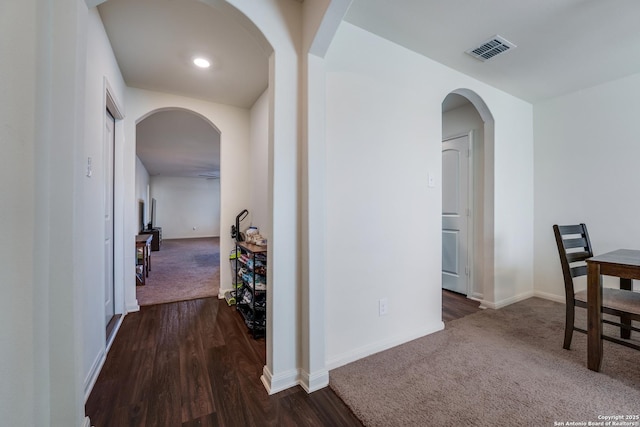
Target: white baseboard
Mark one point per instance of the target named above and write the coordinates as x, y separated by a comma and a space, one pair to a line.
98, 363
368, 350
309, 382
314, 381
522, 297
133, 308
280, 382
550, 297
505, 302
92, 376
86, 422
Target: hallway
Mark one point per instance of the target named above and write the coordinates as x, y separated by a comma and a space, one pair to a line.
192, 363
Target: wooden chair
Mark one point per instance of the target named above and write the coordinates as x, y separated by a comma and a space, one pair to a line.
574, 247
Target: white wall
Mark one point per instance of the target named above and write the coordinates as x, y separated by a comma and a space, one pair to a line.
18, 35
183, 204
384, 136
233, 124
100, 65
258, 165
586, 156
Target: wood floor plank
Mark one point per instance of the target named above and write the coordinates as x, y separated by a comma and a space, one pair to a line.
455, 306
209, 420
164, 406
197, 399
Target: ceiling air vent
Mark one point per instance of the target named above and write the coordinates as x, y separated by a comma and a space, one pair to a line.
491, 48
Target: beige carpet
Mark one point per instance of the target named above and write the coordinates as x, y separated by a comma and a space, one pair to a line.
493, 368
183, 269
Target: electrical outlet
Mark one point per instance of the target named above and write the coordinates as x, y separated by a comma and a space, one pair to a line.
383, 307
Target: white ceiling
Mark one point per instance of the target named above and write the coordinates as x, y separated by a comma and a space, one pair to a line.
178, 143
155, 41
562, 45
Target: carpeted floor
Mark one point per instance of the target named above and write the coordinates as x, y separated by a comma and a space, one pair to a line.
183, 269
501, 367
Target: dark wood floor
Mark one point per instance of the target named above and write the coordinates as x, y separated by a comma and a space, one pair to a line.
192, 363
455, 306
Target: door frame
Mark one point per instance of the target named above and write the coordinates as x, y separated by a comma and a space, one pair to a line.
108, 148
112, 104
471, 209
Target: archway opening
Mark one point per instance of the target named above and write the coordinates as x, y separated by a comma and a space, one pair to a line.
179, 197
467, 134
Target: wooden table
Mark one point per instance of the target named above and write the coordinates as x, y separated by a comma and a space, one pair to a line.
143, 241
622, 263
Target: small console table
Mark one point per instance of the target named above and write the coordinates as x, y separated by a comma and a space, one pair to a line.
157, 237
143, 244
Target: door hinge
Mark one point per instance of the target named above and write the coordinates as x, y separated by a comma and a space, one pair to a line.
466, 271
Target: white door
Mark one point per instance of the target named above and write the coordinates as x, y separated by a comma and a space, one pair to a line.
109, 140
455, 214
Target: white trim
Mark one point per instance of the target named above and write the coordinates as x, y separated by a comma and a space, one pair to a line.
368, 350
98, 363
314, 381
94, 372
111, 101
550, 297
274, 384
471, 242
86, 422
133, 308
505, 302
116, 328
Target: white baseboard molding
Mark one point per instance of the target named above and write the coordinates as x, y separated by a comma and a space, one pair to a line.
368, 350
92, 376
314, 381
505, 302
550, 297
98, 363
277, 383
86, 422
133, 308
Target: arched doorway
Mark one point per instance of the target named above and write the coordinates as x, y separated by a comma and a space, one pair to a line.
178, 187
467, 120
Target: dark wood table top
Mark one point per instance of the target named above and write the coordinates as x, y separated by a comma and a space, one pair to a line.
628, 257
144, 239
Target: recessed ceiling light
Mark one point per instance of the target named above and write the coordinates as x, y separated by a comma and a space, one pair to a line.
201, 62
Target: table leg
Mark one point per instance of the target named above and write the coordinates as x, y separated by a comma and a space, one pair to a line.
594, 316
625, 284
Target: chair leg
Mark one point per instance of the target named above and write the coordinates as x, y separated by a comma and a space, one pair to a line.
625, 332
568, 325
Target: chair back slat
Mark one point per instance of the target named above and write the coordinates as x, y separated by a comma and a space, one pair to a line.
579, 271
571, 229
580, 242
577, 256
574, 246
